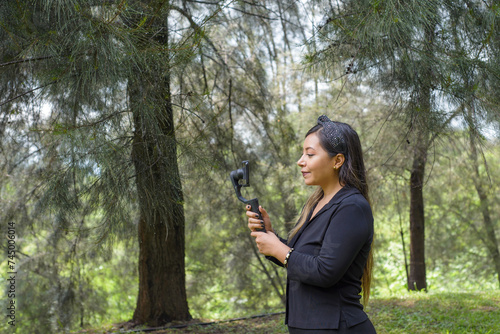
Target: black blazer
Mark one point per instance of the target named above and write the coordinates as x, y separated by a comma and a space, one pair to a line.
325, 268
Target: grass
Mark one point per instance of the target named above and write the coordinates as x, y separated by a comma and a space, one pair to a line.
417, 313
437, 313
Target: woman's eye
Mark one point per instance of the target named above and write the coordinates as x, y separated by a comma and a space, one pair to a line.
310, 155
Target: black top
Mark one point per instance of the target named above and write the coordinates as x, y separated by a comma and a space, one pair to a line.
325, 268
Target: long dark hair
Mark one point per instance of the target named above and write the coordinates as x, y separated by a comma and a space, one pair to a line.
352, 173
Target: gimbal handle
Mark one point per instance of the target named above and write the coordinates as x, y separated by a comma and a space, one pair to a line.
254, 203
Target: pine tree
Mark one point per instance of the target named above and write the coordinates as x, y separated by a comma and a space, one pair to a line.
407, 48
105, 69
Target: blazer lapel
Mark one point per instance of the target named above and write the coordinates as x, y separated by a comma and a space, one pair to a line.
308, 220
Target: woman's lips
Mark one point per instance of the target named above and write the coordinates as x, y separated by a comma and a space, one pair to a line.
304, 174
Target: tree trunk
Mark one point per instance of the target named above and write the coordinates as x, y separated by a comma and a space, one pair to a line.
162, 292
490, 240
417, 277
162, 281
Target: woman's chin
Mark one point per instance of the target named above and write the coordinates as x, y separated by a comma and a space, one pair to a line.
309, 182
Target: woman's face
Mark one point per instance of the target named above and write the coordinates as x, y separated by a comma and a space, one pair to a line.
316, 165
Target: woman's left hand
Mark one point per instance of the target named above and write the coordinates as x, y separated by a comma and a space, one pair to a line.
269, 245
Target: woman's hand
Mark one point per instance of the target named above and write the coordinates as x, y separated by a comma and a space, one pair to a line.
267, 242
255, 224
269, 245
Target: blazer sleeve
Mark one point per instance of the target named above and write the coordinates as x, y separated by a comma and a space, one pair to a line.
348, 230
272, 258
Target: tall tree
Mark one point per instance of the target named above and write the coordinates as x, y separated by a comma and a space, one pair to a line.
162, 295
105, 68
405, 48
478, 75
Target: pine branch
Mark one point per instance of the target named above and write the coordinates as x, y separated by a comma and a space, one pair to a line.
87, 125
198, 29
20, 61
189, 111
205, 2
253, 14
28, 92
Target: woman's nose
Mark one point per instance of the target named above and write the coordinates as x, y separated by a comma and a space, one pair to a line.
301, 162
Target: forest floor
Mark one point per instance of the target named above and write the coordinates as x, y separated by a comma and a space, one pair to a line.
417, 313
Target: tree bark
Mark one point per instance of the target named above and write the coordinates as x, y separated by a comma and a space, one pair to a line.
417, 276
162, 292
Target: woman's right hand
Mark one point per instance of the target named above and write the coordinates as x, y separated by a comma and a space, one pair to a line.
255, 224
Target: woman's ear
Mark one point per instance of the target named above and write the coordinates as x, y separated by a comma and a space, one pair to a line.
338, 161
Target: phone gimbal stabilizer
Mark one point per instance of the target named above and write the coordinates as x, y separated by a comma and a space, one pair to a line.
244, 174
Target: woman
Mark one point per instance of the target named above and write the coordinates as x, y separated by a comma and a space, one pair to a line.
328, 253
